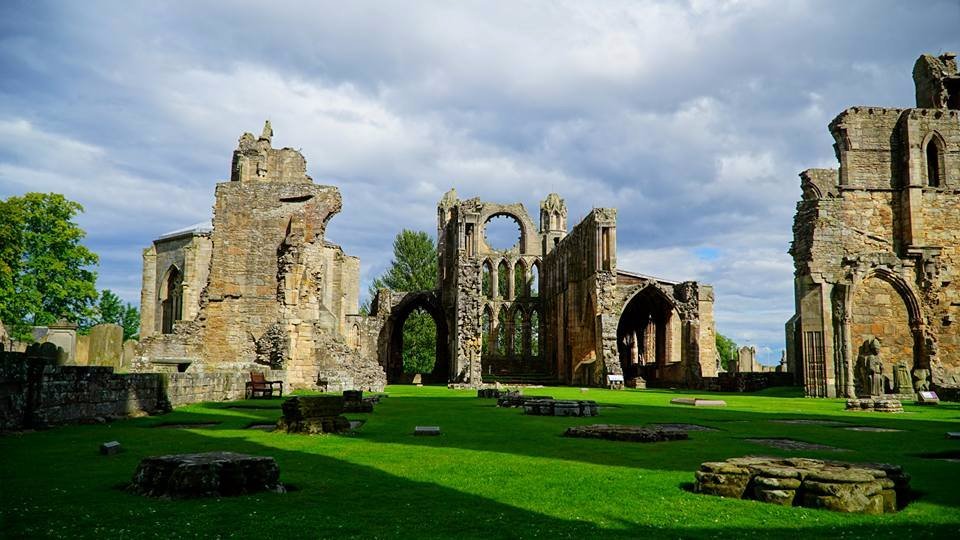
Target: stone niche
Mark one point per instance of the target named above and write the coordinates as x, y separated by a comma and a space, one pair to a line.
868, 488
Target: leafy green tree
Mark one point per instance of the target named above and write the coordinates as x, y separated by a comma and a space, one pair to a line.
413, 268
110, 309
727, 349
44, 269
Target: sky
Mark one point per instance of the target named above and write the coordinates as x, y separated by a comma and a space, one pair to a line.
693, 118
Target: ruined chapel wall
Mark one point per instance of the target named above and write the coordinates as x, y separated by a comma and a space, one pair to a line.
866, 146
577, 292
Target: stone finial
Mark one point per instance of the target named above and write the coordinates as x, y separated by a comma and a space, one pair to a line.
554, 203
267, 134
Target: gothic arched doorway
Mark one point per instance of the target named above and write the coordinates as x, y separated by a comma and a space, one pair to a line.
647, 335
425, 303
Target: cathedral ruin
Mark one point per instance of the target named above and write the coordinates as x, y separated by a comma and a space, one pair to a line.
260, 287
876, 248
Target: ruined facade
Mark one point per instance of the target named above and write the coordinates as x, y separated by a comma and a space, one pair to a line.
553, 306
260, 287
876, 248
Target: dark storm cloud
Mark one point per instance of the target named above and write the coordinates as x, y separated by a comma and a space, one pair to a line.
693, 118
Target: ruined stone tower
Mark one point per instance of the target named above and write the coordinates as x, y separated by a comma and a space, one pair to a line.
876, 245
261, 286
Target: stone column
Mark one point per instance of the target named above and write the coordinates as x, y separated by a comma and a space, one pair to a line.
511, 280
494, 281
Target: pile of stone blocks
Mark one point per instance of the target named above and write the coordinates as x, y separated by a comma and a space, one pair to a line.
354, 402
515, 399
615, 432
313, 415
877, 405
557, 407
870, 488
497, 393
210, 474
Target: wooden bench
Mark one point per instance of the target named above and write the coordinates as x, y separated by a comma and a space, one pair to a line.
258, 384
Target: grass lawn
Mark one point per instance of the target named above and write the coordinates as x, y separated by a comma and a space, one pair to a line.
494, 473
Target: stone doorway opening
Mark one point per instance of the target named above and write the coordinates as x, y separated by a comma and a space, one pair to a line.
414, 308
648, 337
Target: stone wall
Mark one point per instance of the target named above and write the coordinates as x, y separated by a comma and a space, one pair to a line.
877, 245
36, 393
276, 293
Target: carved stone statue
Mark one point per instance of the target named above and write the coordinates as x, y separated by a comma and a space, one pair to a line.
901, 379
870, 368
921, 380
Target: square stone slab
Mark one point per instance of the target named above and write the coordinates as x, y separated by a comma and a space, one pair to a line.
427, 431
698, 402
953, 434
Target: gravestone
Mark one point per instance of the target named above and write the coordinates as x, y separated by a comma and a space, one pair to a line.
105, 347
928, 398
698, 402
615, 382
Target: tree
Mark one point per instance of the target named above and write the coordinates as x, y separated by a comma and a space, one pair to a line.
110, 309
44, 269
727, 349
413, 268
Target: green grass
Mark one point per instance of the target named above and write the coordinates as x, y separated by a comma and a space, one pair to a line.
494, 473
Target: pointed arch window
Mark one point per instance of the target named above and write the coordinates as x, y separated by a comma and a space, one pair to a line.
535, 279
934, 156
502, 333
485, 282
172, 301
503, 279
518, 333
534, 334
486, 330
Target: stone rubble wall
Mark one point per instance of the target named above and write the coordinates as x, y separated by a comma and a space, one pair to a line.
36, 393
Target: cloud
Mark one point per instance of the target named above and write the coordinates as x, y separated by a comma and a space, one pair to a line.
692, 118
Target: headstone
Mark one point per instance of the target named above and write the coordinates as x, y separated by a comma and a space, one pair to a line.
106, 345
426, 431
110, 448
953, 434
928, 398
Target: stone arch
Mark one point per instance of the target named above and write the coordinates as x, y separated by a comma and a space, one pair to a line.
934, 154
486, 278
533, 337
171, 298
644, 329
529, 235
521, 237
392, 358
882, 305
534, 288
503, 278
520, 281
517, 332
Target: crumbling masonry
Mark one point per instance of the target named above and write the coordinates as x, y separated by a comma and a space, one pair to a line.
260, 288
876, 248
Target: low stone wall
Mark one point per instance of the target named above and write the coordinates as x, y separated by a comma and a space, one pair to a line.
37, 393
194, 387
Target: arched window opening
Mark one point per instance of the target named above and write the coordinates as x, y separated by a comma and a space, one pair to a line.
502, 232
503, 279
934, 162
502, 333
518, 333
358, 340
172, 303
534, 334
419, 342
485, 281
486, 330
520, 280
535, 279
